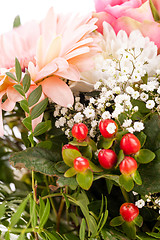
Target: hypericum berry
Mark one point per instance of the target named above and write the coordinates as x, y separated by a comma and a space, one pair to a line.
108, 128
107, 158
130, 144
79, 131
69, 146
129, 211
80, 164
128, 166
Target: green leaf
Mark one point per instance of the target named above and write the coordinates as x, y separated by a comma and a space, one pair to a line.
143, 236
144, 156
69, 155
26, 82
76, 143
42, 207
105, 216
30, 137
142, 138
126, 182
16, 216
18, 70
27, 123
2, 209
17, 22
45, 144
87, 152
138, 221
37, 159
33, 213
105, 143
94, 167
35, 96
7, 236
82, 229
24, 137
70, 182
130, 229
45, 215
24, 105
141, 106
109, 185
117, 221
85, 179
92, 144
39, 108
66, 200
19, 89
155, 12
120, 157
51, 235
70, 172
42, 128
111, 234
61, 167
155, 235
137, 178
11, 75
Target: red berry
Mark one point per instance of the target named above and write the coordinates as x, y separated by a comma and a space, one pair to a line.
130, 144
69, 146
128, 166
107, 158
129, 211
80, 131
108, 128
80, 164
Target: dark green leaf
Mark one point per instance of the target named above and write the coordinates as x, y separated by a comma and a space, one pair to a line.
85, 179
130, 229
126, 182
141, 106
117, 221
45, 215
137, 178
51, 235
120, 157
69, 155
16, 216
30, 137
35, 96
87, 152
70, 172
138, 221
42, 207
33, 213
66, 200
42, 128
45, 144
18, 70
155, 12
61, 167
143, 236
142, 138
2, 209
11, 75
109, 185
71, 182
76, 143
26, 82
105, 143
155, 235
24, 105
17, 22
19, 89
94, 167
24, 137
92, 144
82, 229
144, 156
39, 108
27, 123
111, 234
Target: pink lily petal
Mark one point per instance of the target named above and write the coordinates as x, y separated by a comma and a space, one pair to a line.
103, 17
8, 105
100, 5
13, 95
53, 50
58, 91
70, 73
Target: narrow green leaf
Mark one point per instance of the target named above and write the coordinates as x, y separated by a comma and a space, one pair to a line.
155, 13
130, 229
85, 179
35, 96
11, 75
27, 123
105, 143
2, 209
138, 221
66, 200
16, 216
19, 89
94, 167
42, 207
76, 143
126, 182
120, 157
82, 229
7, 236
30, 137
52, 236
45, 215
24, 105
70, 172
18, 70
33, 214
137, 178
144, 156
42, 128
105, 216
39, 108
155, 235
17, 22
26, 82
69, 155
109, 185
117, 221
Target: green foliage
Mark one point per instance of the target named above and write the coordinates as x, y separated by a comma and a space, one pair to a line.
144, 156
69, 155
155, 12
85, 179
126, 182
39, 109
35, 96
117, 221
17, 22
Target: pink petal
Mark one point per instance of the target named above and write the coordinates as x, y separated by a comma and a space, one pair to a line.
100, 5
70, 73
157, 5
103, 17
58, 91
13, 95
36, 121
127, 24
8, 105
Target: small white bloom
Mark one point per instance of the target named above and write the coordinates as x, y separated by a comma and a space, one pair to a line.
129, 90
144, 96
130, 129
56, 113
62, 121
134, 193
135, 109
157, 100
78, 117
89, 112
150, 104
111, 128
158, 90
78, 106
116, 90
64, 111
69, 106
92, 100
77, 99
70, 123
92, 133
97, 85
94, 123
138, 126
135, 95
106, 115
127, 123
67, 133
140, 203
57, 124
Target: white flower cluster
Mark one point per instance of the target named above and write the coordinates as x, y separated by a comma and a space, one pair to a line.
127, 79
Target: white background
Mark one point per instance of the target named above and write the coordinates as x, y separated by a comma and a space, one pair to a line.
37, 9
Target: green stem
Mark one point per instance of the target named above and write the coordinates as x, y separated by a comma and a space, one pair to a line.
52, 195
51, 200
125, 195
33, 187
59, 214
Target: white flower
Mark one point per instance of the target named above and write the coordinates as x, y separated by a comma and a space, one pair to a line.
92, 133
130, 129
158, 90
62, 121
78, 106
56, 113
135, 95
70, 123
106, 115
157, 100
67, 133
144, 96
89, 112
127, 123
134, 193
111, 128
77, 99
150, 104
97, 85
69, 106
78, 117
138, 126
140, 203
94, 123
116, 90
135, 109
92, 100
129, 90
57, 124
64, 111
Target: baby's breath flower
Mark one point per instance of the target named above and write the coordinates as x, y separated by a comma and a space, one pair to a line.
138, 126
140, 203
150, 104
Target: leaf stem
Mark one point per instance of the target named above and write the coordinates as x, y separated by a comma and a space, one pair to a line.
125, 195
59, 214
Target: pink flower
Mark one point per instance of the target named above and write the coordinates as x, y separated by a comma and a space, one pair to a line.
129, 15
64, 49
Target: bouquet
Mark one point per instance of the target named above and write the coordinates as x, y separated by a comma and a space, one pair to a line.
80, 125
